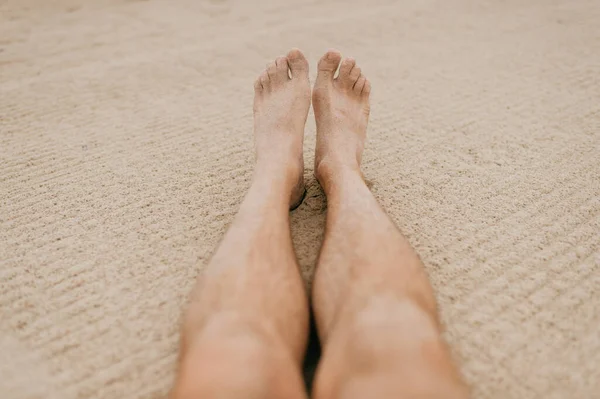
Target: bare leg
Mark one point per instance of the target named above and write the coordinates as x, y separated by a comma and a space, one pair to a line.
375, 309
245, 331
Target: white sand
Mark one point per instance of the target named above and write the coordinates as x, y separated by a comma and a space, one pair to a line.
126, 148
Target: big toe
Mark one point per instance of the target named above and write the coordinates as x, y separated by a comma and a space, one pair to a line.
329, 63
297, 63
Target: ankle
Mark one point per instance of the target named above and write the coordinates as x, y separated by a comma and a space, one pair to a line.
286, 170
329, 171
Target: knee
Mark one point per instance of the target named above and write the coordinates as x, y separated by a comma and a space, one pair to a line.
390, 384
390, 349
384, 323
231, 359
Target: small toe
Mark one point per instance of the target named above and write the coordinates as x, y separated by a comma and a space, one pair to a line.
297, 63
359, 85
281, 64
328, 64
264, 80
366, 89
257, 85
346, 67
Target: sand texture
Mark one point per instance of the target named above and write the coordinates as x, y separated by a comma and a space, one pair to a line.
126, 148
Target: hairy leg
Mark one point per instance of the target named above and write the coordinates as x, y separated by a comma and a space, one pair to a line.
245, 331
375, 309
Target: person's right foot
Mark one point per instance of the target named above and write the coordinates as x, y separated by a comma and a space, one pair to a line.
341, 108
281, 103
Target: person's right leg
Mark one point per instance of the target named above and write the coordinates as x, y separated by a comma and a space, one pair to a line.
374, 306
244, 333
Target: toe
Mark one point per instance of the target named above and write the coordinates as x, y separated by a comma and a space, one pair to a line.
264, 80
353, 76
281, 73
329, 63
298, 63
271, 69
366, 89
257, 85
359, 85
346, 67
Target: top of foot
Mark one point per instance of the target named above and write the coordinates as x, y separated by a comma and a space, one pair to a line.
342, 108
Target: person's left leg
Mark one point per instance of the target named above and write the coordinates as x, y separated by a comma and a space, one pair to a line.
245, 331
374, 307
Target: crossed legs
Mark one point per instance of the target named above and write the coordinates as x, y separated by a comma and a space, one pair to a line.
245, 330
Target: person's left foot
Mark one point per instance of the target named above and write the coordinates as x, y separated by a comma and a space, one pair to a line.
281, 106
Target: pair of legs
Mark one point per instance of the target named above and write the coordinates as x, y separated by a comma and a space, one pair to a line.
246, 328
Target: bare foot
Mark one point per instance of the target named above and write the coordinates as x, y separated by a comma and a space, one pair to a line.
341, 111
281, 106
